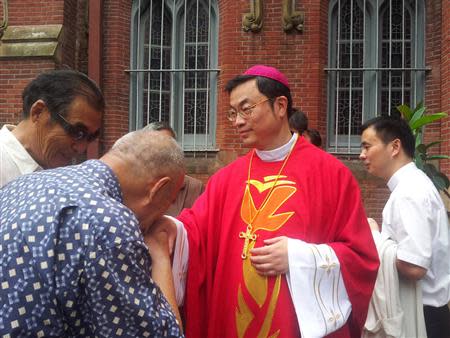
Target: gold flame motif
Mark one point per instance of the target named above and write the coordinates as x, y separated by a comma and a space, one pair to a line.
263, 218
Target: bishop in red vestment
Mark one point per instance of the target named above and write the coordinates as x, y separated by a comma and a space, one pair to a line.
288, 192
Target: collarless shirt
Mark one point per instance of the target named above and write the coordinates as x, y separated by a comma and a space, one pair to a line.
14, 158
73, 262
415, 217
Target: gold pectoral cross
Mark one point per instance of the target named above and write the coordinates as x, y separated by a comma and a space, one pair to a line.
248, 236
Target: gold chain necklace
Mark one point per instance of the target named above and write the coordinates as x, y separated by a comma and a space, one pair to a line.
248, 235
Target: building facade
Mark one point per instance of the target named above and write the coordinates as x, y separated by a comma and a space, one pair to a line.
346, 60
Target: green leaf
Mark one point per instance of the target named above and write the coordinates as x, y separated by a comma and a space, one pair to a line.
416, 116
418, 139
446, 179
419, 162
439, 182
419, 106
421, 148
430, 169
429, 145
405, 111
437, 157
420, 122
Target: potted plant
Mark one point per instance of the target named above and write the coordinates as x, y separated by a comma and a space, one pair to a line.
417, 120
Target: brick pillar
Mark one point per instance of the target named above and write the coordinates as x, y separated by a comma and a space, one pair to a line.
116, 82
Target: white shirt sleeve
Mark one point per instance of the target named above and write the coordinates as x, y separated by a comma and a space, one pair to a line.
317, 289
180, 261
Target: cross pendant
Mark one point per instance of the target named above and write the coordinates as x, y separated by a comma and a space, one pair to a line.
248, 236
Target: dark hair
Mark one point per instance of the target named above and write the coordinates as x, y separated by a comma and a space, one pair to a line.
58, 89
389, 128
268, 87
314, 137
160, 125
298, 121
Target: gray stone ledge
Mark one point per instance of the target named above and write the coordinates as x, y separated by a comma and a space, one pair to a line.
31, 41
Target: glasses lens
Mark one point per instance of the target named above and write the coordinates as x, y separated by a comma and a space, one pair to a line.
231, 115
79, 134
92, 137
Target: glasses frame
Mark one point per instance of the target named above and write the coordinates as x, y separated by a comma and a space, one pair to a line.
79, 132
244, 113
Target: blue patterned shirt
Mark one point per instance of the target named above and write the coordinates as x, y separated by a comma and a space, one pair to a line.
73, 262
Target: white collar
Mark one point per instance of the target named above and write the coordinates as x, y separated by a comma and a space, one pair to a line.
19, 154
277, 154
395, 179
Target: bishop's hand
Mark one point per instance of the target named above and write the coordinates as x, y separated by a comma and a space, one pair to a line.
161, 237
271, 259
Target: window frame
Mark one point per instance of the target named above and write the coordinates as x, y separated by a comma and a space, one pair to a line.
371, 68
140, 8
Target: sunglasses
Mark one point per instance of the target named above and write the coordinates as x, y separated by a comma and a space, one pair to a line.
78, 131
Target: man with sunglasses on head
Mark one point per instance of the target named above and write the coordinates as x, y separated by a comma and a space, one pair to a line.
62, 114
278, 244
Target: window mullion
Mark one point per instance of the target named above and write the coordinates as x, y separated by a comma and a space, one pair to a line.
336, 132
150, 22
350, 86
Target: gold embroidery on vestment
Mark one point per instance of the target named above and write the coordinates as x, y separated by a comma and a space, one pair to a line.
244, 316
263, 218
271, 310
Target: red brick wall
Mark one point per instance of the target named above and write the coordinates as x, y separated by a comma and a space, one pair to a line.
16, 73
445, 84
14, 76
433, 60
32, 12
116, 59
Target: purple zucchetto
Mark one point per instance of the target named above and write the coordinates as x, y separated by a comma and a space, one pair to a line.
269, 72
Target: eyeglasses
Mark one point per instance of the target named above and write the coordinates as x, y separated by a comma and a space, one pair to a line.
245, 113
78, 131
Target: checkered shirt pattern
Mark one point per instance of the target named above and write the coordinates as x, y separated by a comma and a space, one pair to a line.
73, 262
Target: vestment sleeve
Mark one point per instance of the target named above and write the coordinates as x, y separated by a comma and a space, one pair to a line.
318, 293
353, 244
122, 297
202, 224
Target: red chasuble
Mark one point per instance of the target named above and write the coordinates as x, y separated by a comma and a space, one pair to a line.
315, 199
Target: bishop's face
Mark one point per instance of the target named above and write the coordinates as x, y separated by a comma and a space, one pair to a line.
261, 123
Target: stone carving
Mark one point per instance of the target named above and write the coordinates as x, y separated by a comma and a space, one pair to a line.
253, 21
4, 21
292, 19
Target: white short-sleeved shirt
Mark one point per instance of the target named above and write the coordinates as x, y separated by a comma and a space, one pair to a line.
415, 217
14, 158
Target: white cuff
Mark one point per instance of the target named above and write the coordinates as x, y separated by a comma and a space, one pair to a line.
180, 261
317, 288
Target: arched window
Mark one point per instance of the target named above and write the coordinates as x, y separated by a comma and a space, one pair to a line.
174, 68
376, 62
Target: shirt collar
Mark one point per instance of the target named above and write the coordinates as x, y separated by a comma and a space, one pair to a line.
19, 154
109, 181
395, 179
277, 154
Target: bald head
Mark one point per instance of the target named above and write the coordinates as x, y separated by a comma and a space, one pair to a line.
150, 168
150, 153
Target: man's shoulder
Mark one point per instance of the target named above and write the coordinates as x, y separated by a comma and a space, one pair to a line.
416, 182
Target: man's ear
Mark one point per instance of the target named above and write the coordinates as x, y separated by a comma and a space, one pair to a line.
159, 185
37, 109
281, 103
396, 147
